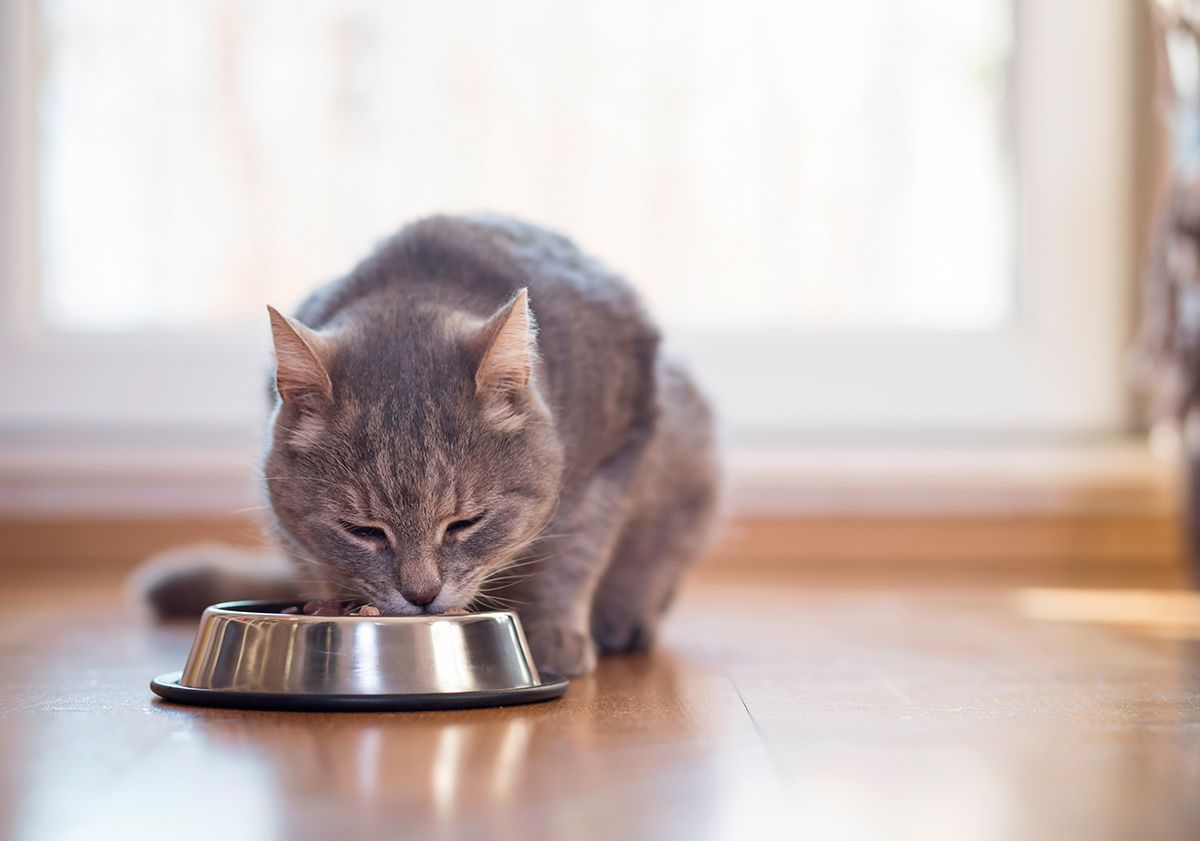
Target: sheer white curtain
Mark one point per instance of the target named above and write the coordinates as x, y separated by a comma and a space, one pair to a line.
768, 164
887, 217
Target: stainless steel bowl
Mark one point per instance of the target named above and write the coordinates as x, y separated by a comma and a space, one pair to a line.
248, 654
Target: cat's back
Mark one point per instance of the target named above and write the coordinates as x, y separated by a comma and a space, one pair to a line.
598, 345
475, 263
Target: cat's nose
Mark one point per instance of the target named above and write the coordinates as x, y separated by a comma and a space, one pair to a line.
421, 596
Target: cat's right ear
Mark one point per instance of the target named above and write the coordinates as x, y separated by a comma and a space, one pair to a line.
300, 375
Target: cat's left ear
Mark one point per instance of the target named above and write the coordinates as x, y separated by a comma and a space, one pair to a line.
507, 350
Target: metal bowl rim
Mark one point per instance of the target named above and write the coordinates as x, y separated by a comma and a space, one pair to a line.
246, 608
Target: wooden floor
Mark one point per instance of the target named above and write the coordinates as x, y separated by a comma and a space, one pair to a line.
779, 708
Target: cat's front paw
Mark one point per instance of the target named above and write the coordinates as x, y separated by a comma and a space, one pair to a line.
560, 649
616, 633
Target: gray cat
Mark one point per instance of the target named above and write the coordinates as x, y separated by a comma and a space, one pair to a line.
479, 414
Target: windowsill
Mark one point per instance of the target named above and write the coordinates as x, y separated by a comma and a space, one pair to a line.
1115, 476
1120, 475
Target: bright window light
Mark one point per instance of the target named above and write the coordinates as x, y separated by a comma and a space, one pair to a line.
749, 165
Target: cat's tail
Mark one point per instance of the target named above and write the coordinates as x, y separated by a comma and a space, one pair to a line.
180, 583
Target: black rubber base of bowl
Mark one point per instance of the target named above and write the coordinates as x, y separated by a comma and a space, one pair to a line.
167, 686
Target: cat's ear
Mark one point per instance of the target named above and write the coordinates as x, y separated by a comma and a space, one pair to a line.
507, 349
509, 343
300, 375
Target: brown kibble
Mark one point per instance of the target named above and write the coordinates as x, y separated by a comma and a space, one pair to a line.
320, 607
455, 611
335, 607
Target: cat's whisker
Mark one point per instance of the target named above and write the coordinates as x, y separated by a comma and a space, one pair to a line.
499, 572
526, 561
500, 597
505, 575
508, 569
497, 603
543, 538
494, 584
502, 586
507, 583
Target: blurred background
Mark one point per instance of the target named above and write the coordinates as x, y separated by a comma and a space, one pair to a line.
936, 262
899, 241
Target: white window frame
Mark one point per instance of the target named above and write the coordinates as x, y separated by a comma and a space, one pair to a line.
1073, 71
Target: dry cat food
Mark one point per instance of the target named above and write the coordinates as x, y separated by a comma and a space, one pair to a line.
333, 607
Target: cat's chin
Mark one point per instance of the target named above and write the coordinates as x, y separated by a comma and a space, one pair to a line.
399, 606
450, 599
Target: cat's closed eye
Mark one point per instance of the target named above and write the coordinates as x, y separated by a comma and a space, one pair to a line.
371, 534
458, 528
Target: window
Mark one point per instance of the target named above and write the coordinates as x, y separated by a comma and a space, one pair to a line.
852, 217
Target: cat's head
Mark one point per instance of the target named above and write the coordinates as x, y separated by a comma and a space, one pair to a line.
411, 454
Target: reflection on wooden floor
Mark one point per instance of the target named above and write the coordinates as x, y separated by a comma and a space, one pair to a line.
1174, 614
771, 708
